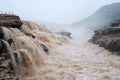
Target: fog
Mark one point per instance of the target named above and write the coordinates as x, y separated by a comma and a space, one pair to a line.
58, 11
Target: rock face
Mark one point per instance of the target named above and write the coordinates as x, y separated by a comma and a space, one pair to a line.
108, 37
7, 69
9, 20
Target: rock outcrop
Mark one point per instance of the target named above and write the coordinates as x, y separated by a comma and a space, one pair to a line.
9, 20
108, 37
7, 67
63, 33
24, 47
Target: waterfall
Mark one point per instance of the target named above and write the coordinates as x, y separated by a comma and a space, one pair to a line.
25, 52
7, 35
68, 59
10, 52
26, 65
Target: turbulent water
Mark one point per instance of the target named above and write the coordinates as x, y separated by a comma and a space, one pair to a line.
67, 59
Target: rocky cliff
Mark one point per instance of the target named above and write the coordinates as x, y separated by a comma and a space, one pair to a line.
24, 47
9, 20
108, 37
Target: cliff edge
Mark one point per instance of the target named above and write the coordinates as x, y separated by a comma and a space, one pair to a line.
108, 37
9, 20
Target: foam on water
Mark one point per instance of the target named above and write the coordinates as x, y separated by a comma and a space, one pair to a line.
74, 59
80, 60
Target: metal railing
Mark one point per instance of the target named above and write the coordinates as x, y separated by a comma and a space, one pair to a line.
10, 12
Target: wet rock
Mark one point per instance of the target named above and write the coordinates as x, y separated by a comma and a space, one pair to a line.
1, 33
7, 70
9, 20
16, 58
108, 37
3, 48
67, 34
3, 51
29, 34
44, 47
10, 41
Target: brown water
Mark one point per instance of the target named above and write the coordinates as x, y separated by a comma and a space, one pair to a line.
80, 61
67, 60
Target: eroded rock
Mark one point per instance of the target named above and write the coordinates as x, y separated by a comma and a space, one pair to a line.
9, 20
108, 37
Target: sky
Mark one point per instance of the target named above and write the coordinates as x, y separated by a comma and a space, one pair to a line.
58, 11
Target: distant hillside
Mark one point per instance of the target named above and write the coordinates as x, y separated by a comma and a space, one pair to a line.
102, 17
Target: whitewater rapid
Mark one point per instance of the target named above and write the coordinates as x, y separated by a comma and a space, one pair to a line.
79, 60
66, 59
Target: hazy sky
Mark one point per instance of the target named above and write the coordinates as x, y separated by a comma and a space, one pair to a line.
60, 11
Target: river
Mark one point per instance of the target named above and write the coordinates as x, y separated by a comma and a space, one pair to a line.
79, 60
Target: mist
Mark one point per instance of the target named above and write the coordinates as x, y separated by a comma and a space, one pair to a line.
62, 11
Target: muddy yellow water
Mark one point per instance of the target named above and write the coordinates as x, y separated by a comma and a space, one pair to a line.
79, 61
67, 59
